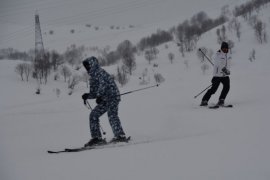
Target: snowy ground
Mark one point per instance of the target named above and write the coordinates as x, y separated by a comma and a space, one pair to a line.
188, 142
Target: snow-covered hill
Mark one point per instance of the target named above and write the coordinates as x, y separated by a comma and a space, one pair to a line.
187, 141
130, 19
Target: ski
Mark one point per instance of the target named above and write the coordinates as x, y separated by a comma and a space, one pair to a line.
218, 106
107, 145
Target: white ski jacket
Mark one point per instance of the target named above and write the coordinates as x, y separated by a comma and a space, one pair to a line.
221, 60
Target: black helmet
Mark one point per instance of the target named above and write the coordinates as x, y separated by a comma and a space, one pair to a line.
224, 45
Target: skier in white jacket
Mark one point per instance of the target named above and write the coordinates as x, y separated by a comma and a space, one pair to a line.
221, 74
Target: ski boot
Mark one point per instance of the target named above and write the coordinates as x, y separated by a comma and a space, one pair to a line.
204, 103
220, 102
95, 142
120, 138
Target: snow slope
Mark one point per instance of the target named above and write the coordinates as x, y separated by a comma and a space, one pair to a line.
188, 142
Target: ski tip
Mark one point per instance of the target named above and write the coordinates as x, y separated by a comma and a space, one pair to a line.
55, 152
213, 107
51, 152
217, 106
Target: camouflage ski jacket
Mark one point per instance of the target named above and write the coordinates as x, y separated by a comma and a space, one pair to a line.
102, 83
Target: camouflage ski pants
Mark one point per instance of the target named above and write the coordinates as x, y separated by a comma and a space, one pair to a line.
112, 110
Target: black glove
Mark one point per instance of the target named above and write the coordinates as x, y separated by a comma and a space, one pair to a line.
85, 96
226, 71
99, 100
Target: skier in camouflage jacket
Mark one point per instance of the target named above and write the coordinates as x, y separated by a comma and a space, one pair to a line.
105, 91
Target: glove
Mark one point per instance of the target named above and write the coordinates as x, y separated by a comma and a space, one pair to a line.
85, 96
226, 71
99, 100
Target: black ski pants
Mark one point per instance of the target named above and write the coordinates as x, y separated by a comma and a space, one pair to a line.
225, 81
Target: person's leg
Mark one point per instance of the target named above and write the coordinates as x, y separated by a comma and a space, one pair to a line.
114, 119
226, 87
212, 90
98, 111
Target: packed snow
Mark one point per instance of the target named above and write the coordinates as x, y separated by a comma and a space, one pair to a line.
182, 139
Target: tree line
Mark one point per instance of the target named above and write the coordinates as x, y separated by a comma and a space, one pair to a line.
186, 36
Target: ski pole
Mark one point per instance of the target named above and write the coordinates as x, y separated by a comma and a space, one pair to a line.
202, 91
138, 90
103, 132
86, 103
206, 56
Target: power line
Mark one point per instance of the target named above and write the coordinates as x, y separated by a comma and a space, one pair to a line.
108, 11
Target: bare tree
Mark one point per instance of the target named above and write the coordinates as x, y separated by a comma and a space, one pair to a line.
247, 8
252, 55
20, 70
121, 75
129, 63
126, 51
182, 50
42, 68
27, 70
171, 57
155, 39
23, 69
238, 31
154, 51
149, 56
58, 92
46, 67
235, 25
231, 45
253, 20
221, 34
144, 74
112, 57
201, 56
56, 59
73, 54
159, 78
260, 31
219, 38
